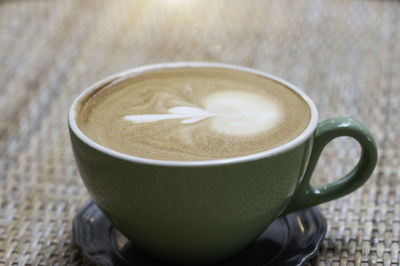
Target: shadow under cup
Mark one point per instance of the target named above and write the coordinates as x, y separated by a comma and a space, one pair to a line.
204, 211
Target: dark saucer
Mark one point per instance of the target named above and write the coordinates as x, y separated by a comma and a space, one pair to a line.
290, 240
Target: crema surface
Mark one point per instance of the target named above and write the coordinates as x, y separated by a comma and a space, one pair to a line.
191, 114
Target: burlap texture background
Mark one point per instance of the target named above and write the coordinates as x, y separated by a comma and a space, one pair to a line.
344, 54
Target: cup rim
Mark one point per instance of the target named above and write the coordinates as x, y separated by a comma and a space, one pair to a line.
307, 132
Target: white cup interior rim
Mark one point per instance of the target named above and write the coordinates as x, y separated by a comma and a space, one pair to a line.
308, 131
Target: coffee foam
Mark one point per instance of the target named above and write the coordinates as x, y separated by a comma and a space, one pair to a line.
193, 114
241, 113
231, 112
188, 115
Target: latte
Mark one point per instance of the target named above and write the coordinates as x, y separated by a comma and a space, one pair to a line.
192, 114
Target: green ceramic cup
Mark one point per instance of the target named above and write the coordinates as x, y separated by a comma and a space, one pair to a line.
203, 211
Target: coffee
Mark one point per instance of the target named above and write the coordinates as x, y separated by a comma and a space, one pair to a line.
192, 114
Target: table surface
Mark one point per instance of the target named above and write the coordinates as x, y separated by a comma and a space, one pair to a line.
344, 54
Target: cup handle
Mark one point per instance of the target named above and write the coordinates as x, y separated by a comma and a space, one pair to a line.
308, 195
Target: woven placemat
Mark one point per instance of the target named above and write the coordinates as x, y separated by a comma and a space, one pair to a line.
344, 54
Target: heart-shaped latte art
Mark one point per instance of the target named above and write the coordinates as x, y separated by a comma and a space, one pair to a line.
230, 112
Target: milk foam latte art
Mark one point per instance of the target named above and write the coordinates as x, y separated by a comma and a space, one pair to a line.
231, 112
193, 114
